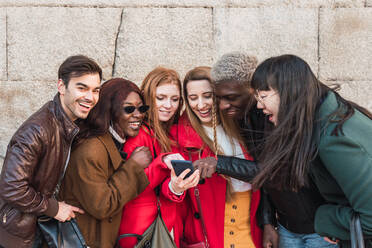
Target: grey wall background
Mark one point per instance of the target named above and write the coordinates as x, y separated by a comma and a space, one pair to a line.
130, 37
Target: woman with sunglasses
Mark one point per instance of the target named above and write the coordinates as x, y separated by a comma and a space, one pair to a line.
99, 178
320, 139
161, 89
227, 206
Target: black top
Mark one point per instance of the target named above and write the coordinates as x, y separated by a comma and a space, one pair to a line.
295, 210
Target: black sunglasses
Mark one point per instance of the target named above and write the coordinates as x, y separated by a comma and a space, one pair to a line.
142, 109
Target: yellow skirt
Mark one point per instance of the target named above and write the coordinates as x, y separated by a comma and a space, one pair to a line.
237, 229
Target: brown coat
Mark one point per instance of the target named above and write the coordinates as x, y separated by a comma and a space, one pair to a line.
100, 182
33, 165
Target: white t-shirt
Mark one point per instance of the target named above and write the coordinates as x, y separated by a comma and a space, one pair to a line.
229, 149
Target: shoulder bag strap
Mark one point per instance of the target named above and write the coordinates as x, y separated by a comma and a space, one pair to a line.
58, 186
197, 196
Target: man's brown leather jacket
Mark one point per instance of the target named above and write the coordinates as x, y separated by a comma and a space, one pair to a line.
33, 165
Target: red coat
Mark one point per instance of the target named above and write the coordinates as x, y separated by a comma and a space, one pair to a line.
139, 213
212, 195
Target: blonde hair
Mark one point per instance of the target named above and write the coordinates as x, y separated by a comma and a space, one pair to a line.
229, 125
198, 73
160, 76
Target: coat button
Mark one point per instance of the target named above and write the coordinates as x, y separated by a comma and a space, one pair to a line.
234, 206
110, 219
232, 220
197, 215
231, 233
232, 246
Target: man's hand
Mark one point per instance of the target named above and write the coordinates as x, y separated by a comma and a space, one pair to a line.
270, 237
66, 212
207, 166
142, 156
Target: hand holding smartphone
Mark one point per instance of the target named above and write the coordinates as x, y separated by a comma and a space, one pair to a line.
180, 165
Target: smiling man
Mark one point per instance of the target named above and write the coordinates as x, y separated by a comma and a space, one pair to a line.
38, 153
232, 76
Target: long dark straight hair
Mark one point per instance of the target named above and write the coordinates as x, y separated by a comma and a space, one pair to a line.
291, 146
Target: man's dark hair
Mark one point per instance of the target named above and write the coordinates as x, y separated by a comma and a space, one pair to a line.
76, 66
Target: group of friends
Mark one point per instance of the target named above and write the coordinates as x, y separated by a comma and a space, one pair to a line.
279, 158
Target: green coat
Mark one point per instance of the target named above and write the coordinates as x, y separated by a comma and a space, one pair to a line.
343, 174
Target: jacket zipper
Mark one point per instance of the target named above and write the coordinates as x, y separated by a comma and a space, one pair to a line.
5, 210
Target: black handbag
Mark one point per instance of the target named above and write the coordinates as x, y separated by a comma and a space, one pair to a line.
356, 233
61, 234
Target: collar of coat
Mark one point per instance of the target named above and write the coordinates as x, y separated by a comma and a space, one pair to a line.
326, 111
112, 151
185, 134
69, 127
328, 105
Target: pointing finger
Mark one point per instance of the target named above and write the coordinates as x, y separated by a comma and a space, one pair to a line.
76, 209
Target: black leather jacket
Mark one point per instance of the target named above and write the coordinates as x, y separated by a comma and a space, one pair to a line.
246, 170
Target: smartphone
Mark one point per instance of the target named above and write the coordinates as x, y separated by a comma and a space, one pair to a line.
180, 165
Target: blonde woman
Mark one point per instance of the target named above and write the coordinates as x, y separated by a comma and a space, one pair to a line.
228, 206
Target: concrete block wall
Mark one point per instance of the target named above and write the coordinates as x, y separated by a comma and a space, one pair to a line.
130, 37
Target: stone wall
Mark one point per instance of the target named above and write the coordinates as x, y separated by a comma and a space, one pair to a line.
130, 37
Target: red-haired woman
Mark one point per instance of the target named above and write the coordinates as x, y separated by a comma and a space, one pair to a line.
161, 89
